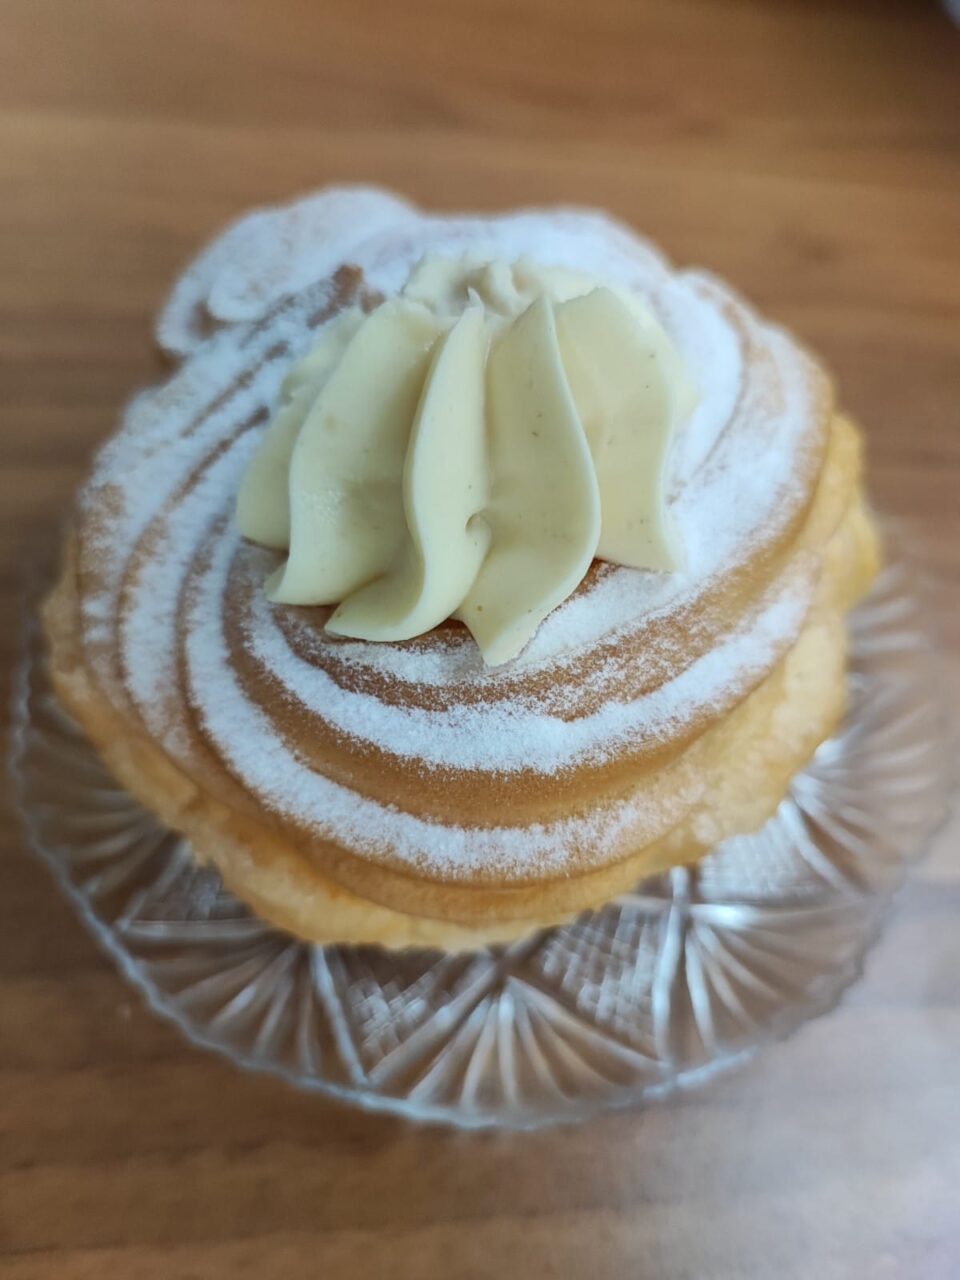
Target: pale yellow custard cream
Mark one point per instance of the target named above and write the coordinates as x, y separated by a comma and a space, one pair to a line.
466, 449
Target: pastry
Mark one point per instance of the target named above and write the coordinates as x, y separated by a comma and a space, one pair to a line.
464, 572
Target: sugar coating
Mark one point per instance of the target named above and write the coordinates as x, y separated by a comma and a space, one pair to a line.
257, 753
164, 487
509, 736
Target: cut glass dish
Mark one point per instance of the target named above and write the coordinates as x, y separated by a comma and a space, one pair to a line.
689, 974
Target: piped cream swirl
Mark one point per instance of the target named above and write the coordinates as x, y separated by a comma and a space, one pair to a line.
466, 450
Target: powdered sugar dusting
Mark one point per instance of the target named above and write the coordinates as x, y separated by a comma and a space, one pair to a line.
258, 755
511, 736
269, 254
163, 488
154, 595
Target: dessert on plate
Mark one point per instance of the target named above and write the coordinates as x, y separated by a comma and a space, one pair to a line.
465, 571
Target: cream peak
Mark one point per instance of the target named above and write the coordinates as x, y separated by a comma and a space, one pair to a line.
466, 450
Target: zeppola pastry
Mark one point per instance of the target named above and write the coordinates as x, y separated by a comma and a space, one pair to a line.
465, 571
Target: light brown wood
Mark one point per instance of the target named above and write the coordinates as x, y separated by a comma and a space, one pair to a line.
810, 152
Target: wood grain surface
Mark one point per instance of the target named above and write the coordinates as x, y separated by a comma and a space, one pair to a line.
808, 151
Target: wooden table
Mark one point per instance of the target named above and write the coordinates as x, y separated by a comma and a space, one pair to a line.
810, 152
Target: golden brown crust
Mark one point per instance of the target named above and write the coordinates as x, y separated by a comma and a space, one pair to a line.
745, 761
403, 793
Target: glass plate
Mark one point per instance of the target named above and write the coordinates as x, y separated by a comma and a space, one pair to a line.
689, 974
